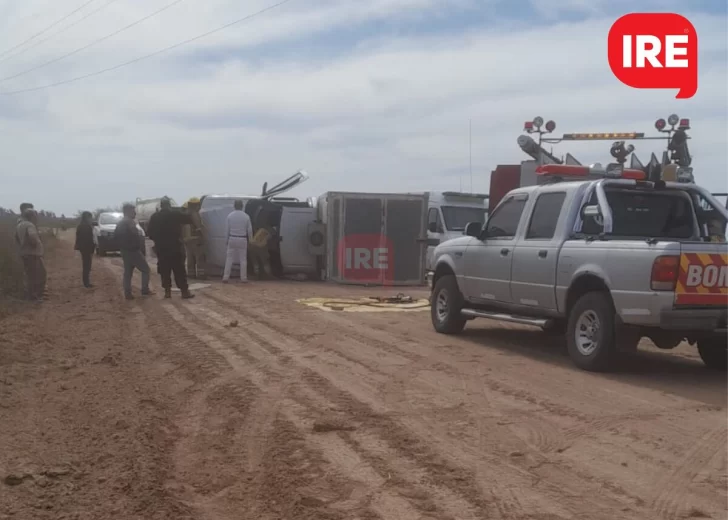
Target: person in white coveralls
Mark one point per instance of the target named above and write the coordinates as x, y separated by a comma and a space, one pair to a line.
238, 230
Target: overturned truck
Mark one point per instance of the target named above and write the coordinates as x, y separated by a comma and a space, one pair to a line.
353, 238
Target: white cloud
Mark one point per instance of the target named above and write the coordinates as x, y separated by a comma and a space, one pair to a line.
385, 112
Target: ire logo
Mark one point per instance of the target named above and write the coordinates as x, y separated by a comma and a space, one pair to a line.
655, 50
366, 258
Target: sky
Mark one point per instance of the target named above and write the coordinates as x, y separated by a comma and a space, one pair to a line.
375, 95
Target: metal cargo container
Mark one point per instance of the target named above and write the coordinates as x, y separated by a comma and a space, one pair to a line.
375, 238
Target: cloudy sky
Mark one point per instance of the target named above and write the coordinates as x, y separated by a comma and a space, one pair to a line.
365, 95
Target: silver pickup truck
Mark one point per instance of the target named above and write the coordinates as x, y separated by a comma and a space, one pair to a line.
604, 261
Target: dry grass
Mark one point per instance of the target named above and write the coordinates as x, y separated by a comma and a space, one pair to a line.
11, 268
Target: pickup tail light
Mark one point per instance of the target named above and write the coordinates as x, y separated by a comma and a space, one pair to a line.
665, 270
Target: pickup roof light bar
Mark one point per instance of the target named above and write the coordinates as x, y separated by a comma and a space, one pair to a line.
566, 170
465, 195
602, 136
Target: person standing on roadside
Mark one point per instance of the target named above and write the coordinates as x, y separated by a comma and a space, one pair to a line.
239, 230
194, 240
85, 244
165, 229
31, 252
131, 246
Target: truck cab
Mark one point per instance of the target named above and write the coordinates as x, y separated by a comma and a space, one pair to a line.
447, 215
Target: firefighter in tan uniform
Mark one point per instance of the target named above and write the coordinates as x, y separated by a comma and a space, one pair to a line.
194, 238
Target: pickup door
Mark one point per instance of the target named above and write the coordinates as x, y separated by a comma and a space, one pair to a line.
487, 266
533, 273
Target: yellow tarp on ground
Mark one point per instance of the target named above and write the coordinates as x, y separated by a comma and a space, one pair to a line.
364, 305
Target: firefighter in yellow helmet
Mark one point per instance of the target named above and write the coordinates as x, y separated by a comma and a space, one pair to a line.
194, 238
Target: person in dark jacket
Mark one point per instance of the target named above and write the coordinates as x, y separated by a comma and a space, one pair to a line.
86, 246
131, 245
165, 229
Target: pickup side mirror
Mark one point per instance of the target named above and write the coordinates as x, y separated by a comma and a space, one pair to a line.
473, 229
432, 227
591, 212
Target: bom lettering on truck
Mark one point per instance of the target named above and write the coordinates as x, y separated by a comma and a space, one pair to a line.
702, 279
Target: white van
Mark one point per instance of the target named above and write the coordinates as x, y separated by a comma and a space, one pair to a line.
448, 214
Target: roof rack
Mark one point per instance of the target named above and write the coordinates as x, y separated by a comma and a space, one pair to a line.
674, 166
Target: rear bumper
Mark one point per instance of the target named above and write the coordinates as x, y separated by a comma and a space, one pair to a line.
695, 320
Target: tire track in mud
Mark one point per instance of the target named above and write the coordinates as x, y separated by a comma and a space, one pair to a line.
263, 409
321, 405
672, 502
521, 472
409, 349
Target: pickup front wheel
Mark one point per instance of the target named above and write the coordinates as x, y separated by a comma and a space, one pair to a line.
590, 332
445, 306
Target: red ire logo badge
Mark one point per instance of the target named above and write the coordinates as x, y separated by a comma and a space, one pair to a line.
655, 50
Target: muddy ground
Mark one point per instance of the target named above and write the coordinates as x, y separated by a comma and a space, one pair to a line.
243, 404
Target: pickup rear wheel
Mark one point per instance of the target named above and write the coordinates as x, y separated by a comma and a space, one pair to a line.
590, 332
445, 307
714, 353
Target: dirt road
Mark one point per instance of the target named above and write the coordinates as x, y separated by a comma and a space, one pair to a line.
243, 404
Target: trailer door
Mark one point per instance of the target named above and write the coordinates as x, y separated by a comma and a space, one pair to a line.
406, 230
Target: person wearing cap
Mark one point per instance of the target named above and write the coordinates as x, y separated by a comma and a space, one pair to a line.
165, 229
238, 230
194, 240
31, 252
132, 248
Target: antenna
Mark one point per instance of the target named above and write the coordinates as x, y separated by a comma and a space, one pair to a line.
471, 155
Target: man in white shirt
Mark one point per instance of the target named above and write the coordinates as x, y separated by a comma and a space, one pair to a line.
239, 230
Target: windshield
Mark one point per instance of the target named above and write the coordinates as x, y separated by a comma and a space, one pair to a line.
457, 217
109, 218
648, 214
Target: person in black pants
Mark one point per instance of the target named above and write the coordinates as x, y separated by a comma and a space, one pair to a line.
86, 246
165, 229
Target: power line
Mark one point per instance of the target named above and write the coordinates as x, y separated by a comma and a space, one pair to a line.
51, 26
21, 51
103, 38
146, 56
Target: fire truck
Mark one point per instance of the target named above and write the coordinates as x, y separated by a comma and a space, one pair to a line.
675, 163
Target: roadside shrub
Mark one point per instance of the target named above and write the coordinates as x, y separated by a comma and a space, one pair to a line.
11, 267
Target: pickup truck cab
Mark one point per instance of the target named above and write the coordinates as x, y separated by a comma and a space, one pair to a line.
605, 261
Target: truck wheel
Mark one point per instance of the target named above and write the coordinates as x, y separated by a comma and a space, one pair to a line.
447, 301
714, 353
590, 333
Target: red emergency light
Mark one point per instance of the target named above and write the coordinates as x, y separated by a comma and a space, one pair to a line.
684, 124
528, 126
567, 170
